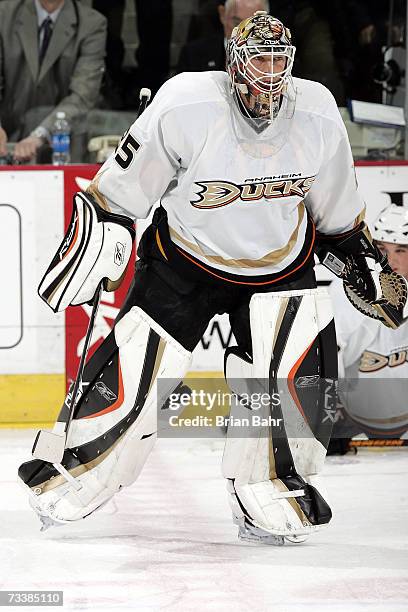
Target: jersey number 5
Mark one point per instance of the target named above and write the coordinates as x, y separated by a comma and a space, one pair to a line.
125, 152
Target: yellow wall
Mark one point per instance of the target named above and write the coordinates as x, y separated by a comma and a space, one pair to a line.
30, 400
34, 400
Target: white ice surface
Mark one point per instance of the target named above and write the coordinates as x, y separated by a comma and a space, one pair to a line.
168, 542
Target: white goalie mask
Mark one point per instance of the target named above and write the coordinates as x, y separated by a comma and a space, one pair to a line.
259, 63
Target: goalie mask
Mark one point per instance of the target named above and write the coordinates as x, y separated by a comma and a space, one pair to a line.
259, 63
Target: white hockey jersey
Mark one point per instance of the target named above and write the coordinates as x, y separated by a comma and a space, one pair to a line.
233, 211
373, 361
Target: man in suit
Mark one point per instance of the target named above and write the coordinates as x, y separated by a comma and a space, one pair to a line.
51, 56
209, 53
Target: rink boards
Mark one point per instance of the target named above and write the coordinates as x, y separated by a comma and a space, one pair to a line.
39, 350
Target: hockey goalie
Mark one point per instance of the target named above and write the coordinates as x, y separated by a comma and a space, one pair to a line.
254, 174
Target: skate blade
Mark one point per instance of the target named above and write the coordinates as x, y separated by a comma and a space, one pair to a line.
47, 523
268, 539
272, 540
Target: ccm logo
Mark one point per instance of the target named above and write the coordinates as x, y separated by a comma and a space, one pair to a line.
119, 257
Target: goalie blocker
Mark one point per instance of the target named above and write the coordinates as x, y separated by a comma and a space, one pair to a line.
97, 247
368, 281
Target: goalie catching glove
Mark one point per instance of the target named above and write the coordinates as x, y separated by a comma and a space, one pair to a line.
97, 247
369, 282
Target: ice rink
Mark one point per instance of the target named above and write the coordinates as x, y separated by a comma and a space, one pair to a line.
168, 542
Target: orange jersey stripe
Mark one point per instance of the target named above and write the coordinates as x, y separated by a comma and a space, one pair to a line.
252, 283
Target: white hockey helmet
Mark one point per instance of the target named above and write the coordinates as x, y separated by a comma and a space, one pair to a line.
392, 225
260, 57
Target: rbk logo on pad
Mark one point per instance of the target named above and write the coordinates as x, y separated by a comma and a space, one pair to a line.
105, 391
215, 194
119, 257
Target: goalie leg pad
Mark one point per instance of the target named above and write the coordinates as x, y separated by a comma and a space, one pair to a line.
272, 467
115, 423
97, 246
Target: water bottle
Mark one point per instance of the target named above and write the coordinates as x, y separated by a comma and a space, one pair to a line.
61, 140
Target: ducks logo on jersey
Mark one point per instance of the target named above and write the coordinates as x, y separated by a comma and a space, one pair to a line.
215, 194
372, 362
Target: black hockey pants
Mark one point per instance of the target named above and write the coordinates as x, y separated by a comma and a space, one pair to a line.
185, 306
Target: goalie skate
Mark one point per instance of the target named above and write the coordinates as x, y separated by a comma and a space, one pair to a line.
249, 532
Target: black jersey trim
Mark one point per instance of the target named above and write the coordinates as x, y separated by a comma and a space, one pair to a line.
188, 265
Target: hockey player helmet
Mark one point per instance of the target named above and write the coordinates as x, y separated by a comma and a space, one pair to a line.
260, 57
392, 225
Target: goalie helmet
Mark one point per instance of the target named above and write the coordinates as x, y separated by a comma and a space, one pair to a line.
260, 57
392, 225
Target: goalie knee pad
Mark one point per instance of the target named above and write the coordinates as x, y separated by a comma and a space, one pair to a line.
96, 247
115, 422
286, 394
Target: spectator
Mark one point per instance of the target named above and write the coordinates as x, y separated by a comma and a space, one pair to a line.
154, 25
204, 21
51, 59
115, 50
314, 23
310, 23
372, 27
318, 31
208, 53
371, 20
